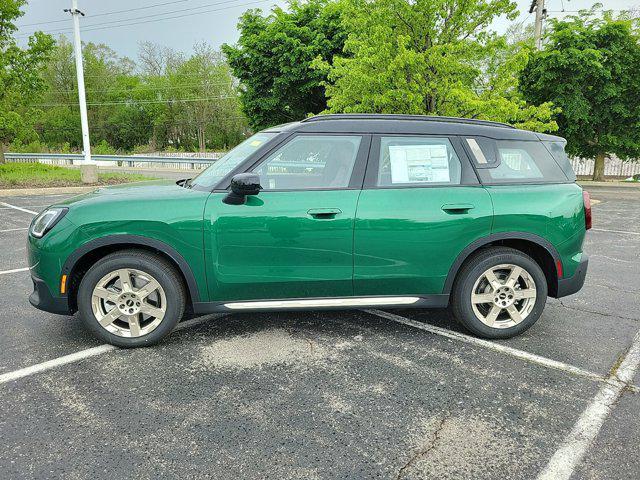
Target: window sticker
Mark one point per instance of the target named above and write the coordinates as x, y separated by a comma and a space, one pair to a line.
419, 163
256, 143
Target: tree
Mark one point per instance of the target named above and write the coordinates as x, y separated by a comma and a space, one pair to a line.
194, 102
209, 95
156, 60
589, 68
273, 60
19, 72
431, 57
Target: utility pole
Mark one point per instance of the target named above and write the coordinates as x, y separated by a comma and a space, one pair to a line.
88, 168
541, 13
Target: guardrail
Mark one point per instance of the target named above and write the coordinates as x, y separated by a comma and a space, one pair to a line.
137, 161
130, 161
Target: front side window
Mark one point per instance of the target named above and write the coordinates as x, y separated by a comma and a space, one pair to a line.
416, 161
517, 161
212, 175
310, 162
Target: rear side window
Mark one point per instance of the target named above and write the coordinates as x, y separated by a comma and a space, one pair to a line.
417, 161
509, 161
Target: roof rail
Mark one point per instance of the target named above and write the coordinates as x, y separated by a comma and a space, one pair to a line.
388, 116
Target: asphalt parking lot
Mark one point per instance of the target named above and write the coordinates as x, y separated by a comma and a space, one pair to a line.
354, 395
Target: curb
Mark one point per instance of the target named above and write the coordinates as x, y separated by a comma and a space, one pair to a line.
17, 192
589, 183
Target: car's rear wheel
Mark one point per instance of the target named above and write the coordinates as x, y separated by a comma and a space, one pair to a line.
500, 292
131, 298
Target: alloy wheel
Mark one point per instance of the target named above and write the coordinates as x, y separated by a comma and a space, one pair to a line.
129, 303
503, 296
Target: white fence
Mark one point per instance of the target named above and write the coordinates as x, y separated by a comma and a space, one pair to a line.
613, 167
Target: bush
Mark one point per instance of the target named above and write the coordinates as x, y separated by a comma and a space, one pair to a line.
31, 147
103, 148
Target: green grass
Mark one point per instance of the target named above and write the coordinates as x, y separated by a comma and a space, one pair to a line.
36, 175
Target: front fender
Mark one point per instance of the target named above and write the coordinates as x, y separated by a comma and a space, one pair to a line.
126, 240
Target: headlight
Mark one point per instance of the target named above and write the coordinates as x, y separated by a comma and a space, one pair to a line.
47, 220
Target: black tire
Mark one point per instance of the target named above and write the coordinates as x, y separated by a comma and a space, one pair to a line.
471, 271
166, 275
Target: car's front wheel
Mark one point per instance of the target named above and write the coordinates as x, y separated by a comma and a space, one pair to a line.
131, 298
500, 292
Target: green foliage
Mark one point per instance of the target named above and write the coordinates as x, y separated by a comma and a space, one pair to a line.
103, 148
431, 57
273, 60
19, 175
19, 73
31, 147
590, 69
188, 103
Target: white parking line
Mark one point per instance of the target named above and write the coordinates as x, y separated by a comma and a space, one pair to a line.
82, 354
514, 352
14, 229
575, 446
19, 208
56, 362
625, 232
15, 270
572, 450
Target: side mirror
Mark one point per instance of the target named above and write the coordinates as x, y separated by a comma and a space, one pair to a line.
243, 184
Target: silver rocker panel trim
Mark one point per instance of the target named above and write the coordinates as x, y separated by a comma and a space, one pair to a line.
324, 303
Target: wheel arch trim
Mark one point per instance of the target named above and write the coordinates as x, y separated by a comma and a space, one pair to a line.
133, 240
481, 242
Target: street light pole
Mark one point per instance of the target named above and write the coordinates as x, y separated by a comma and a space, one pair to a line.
88, 168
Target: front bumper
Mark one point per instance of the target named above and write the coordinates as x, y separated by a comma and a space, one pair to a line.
571, 285
42, 299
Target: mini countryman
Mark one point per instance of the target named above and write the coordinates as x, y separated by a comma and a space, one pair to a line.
332, 212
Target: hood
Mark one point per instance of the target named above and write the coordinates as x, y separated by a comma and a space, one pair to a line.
149, 190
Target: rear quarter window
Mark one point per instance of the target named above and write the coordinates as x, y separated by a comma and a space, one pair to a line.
518, 161
560, 156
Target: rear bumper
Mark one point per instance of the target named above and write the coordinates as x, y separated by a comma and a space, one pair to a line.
42, 299
571, 285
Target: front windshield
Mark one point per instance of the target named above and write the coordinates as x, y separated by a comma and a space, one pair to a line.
216, 172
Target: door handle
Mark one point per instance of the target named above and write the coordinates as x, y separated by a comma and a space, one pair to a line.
457, 207
321, 213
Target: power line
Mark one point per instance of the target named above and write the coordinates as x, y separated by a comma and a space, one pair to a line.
176, 75
148, 16
116, 23
135, 102
106, 13
586, 10
147, 87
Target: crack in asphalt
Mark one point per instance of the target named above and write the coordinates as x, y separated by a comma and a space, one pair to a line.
616, 289
293, 332
426, 449
604, 314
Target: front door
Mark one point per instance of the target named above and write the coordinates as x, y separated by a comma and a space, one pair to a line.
294, 239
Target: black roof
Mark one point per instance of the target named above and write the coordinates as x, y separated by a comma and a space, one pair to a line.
388, 116
408, 124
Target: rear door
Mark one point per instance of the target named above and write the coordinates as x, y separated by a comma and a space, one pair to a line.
294, 239
420, 207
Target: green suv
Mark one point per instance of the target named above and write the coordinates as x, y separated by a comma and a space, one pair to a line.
333, 212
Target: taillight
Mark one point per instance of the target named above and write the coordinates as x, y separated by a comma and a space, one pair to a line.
586, 199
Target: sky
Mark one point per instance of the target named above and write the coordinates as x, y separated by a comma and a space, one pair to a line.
123, 24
